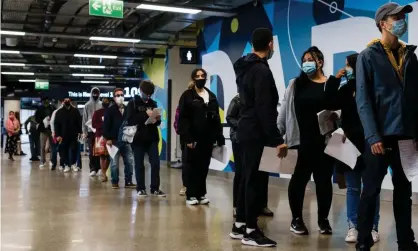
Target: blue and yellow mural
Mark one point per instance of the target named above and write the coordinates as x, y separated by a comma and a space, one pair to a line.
337, 27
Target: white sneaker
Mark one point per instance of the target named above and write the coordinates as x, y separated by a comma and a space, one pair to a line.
61, 168
351, 235
75, 168
375, 235
50, 163
67, 169
192, 201
42, 165
93, 173
203, 200
99, 173
183, 191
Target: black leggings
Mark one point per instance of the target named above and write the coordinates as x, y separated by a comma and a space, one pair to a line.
183, 165
263, 193
312, 160
198, 161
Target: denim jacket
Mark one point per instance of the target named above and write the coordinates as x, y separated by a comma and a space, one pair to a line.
387, 103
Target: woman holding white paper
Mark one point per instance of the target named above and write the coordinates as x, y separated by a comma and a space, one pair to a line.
306, 96
200, 126
353, 129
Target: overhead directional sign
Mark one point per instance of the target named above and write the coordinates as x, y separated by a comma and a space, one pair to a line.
41, 84
106, 8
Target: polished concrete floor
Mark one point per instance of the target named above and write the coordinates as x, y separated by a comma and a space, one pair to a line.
46, 210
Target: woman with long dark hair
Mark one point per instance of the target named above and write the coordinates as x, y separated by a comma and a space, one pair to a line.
12, 128
200, 127
353, 130
306, 96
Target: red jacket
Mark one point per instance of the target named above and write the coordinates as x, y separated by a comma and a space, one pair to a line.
97, 121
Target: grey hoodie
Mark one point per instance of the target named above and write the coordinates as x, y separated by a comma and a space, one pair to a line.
89, 108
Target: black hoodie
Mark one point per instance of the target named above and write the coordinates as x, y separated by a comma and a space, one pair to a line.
136, 114
259, 101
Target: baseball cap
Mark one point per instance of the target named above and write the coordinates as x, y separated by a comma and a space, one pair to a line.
391, 9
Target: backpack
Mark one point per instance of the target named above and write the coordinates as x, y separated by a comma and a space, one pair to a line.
176, 120
126, 133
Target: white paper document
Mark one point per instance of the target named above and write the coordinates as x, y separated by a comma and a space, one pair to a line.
326, 125
47, 121
112, 150
409, 158
89, 124
345, 152
220, 153
153, 118
271, 163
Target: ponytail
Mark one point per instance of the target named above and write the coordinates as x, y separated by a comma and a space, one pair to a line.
191, 85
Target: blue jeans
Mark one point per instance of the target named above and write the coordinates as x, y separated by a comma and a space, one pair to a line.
140, 150
354, 186
128, 160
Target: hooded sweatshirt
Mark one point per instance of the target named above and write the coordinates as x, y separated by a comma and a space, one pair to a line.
259, 100
387, 92
89, 108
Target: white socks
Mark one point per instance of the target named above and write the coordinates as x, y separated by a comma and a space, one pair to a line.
239, 224
250, 230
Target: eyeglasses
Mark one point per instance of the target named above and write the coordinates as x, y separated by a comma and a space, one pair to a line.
119, 95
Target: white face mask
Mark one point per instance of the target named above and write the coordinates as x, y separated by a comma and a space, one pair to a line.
119, 100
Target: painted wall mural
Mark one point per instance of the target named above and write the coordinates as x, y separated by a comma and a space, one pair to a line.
337, 27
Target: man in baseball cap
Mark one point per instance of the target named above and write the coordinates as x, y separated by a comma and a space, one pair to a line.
386, 96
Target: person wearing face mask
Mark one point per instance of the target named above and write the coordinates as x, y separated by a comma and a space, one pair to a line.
386, 96
306, 96
67, 126
112, 123
54, 144
12, 129
256, 129
90, 107
199, 126
42, 114
146, 139
99, 148
353, 130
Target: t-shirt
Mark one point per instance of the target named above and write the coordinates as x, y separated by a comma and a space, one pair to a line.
205, 95
309, 100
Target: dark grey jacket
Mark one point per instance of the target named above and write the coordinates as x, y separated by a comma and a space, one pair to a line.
387, 104
232, 117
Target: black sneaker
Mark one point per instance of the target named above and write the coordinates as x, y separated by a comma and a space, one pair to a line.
159, 193
130, 185
258, 239
298, 227
324, 227
237, 233
267, 212
413, 248
362, 248
142, 193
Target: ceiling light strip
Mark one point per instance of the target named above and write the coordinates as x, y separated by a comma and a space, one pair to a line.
86, 75
88, 66
115, 39
12, 64
9, 52
17, 73
13, 33
27, 80
168, 9
94, 82
94, 56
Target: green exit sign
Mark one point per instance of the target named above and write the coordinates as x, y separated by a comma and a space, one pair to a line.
41, 84
106, 8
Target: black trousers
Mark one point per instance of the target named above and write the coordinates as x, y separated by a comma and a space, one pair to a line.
183, 165
198, 161
375, 171
94, 161
312, 160
252, 181
263, 194
68, 151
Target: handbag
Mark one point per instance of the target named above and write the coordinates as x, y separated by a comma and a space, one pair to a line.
127, 133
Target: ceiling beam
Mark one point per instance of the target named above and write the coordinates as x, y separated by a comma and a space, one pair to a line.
68, 66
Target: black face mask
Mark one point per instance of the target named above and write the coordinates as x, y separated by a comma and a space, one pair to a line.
200, 83
105, 105
95, 98
67, 105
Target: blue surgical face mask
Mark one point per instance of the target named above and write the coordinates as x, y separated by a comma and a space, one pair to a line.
309, 67
399, 28
349, 73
